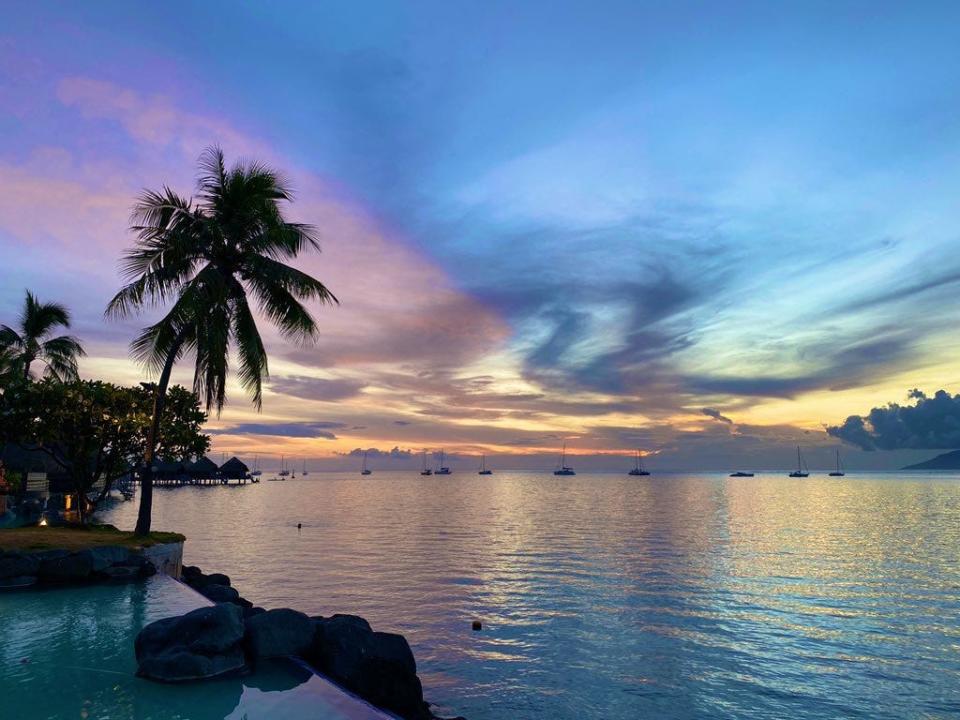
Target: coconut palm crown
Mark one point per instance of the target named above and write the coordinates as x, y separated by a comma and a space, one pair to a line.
209, 255
33, 341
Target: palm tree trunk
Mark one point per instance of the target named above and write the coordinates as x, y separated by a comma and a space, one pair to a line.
146, 478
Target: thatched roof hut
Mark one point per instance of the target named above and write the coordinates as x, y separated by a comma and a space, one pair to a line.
169, 469
234, 469
202, 468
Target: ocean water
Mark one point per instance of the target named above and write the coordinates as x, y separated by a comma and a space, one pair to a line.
606, 596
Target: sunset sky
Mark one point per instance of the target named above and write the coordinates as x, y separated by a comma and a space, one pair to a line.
704, 235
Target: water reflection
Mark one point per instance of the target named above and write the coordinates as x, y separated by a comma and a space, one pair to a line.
608, 597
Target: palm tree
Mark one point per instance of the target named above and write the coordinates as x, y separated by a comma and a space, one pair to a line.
32, 341
207, 255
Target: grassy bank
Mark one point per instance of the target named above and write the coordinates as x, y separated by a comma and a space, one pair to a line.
79, 538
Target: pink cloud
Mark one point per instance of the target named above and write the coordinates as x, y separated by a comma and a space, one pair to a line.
150, 119
397, 305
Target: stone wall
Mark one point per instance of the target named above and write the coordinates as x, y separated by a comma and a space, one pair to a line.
166, 558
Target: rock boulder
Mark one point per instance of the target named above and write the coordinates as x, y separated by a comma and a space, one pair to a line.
277, 633
204, 643
377, 666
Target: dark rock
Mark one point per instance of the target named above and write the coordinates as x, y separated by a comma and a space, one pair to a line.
203, 643
17, 581
190, 572
277, 633
249, 612
197, 580
16, 564
351, 619
220, 593
378, 667
72, 567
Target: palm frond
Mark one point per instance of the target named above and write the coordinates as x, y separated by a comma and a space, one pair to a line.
213, 356
253, 356
271, 272
212, 177
38, 319
284, 310
61, 354
10, 339
170, 240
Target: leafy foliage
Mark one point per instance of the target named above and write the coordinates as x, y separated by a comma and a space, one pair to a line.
94, 429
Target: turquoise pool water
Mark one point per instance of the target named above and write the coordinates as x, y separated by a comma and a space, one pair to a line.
69, 654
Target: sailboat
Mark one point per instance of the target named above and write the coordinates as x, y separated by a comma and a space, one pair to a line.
257, 472
282, 475
564, 469
441, 468
426, 470
365, 470
304, 468
802, 470
839, 471
483, 466
638, 468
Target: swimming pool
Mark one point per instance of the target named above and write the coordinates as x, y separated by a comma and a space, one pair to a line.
68, 653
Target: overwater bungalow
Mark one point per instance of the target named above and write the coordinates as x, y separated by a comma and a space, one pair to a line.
170, 471
234, 469
202, 468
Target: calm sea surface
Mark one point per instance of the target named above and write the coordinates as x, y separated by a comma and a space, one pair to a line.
603, 596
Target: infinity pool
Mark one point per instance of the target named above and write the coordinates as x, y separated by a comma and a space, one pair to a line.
69, 654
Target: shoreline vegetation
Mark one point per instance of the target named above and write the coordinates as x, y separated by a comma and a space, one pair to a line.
80, 537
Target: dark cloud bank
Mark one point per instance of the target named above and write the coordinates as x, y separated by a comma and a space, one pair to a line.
932, 423
320, 429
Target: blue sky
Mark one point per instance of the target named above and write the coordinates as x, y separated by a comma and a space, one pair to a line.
552, 220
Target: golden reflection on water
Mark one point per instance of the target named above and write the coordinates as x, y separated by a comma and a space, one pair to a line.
606, 596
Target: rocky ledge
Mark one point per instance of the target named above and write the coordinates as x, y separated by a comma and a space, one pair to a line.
60, 567
231, 636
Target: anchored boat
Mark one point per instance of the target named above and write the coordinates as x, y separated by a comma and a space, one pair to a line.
802, 469
839, 471
483, 466
638, 467
564, 469
441, 468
